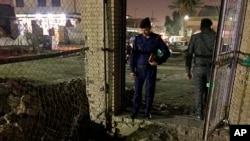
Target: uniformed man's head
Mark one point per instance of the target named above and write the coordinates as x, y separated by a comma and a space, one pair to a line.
206, 24
145, 26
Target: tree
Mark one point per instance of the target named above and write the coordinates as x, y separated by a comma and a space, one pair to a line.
173, 26
186, 7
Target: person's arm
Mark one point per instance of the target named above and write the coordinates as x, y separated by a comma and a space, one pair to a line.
133, 58
189, 57
165, 52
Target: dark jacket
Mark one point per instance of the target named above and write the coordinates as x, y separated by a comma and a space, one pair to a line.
200, 49
143, 47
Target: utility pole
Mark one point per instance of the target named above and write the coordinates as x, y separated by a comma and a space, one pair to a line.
75, 6
135, 12
152, 17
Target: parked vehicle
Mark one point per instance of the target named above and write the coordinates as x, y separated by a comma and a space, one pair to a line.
178, 47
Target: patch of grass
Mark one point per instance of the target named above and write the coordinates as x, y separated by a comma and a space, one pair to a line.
51, 70
171, 86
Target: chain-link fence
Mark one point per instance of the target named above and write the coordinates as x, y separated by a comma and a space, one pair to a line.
42, 86
225, 64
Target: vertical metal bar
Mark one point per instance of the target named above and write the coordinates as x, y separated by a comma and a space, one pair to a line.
123, 44
216, 52
105, 40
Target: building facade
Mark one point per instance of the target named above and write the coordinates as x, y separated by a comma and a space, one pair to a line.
42, 16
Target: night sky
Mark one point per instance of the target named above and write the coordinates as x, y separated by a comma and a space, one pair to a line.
156, 8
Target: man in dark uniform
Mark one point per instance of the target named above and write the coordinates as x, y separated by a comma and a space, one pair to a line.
128, 51
200, 50
142, 68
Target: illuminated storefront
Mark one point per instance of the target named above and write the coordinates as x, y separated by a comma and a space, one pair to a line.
47, 24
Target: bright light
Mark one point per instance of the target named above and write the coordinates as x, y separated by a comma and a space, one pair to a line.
63, 16
186, 17
50, 16
38, 16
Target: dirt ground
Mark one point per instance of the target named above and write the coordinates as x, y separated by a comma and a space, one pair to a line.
173, 103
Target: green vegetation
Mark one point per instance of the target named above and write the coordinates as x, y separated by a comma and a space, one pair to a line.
186, 7
51, 70
173, 26
182, 8
171, 86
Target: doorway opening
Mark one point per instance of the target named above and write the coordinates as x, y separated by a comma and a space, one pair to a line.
174, 96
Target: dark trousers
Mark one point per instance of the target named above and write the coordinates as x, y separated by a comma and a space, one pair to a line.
142, 75
201, 78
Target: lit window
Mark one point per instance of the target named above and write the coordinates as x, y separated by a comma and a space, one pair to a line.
56, 2
41, 3
19, 3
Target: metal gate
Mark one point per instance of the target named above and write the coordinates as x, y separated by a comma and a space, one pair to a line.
225, 60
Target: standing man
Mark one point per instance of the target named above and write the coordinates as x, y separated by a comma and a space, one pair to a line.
200, 50
128, 51
142, 68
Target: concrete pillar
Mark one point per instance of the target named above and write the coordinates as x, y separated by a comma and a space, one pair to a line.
103, 29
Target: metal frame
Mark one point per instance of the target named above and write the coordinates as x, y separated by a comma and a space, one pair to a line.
211, 122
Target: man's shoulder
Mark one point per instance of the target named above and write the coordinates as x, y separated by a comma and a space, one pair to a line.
137, 36
197, 34
155, 34
203, 34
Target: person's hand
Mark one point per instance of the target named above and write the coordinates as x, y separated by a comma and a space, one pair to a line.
153, 63
189, 76
132, 74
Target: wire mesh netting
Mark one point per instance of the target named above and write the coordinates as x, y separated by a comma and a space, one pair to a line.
42, 86
225, 64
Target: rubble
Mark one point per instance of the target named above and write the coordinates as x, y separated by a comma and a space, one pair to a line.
31, 112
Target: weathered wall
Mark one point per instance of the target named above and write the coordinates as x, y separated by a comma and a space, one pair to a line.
102, 25
93, 22
30, 7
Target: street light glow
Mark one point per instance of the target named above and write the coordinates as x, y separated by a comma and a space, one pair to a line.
186, 17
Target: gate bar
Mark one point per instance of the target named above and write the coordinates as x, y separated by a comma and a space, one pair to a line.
218, 43
105, 49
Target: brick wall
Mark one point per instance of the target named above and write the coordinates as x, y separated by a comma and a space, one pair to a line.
93, 21
103, 67
31, 7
